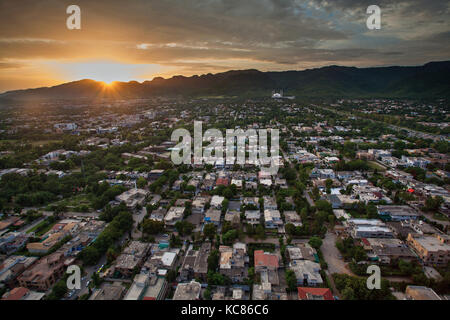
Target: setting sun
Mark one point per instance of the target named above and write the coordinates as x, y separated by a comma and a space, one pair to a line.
105, 71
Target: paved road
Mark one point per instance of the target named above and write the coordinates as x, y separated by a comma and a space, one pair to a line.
32, 225
138, 217
89, 270
136, 234
308, 198
331, 255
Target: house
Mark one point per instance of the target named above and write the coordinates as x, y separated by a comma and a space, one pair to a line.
132, 258
155, 174
12, 267
264, 291
281, 183
272, 219
195, 264
253, 216
216, 201
45, 245
265, 260
306, 272
133, 197
44, 273
341, 201
140, 283
322, 173
293, 218
369, 228
266, 264
213, 216
251, 201
187, 291
222, 182
305, 293
199, 203
432, 249
201, 262
397, 213
174, 215
270, 203
158, 214
386, 250
232, 262
21, 293
302, 251
233, 216
421, 293
13, 241
108, 291
237, 183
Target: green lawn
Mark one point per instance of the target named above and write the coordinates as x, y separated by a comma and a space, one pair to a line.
440, 216
374, 165
41, 228
75, 201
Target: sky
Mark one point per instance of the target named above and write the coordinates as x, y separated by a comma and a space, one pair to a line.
142, 39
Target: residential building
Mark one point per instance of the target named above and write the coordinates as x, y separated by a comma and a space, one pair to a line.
174, 215
432, 249
305, 293
44, 273
187, 291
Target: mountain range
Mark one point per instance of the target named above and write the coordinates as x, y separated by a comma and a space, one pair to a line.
431, 80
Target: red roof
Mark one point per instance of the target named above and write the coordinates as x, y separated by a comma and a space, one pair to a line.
17, 293
365, 241
305, 293
222, 181
149, 298
264, 259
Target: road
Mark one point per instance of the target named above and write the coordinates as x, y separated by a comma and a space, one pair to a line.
138, 217
32, 225
136, 234
331, 255
89, 271
308, 198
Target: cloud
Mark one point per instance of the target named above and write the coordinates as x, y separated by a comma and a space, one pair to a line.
213, 35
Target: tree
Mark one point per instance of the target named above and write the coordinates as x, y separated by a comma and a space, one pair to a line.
291, 280
184, 227
348, 294
433, 203
323, 205
290, 229
213, 260
372, 212
229, 237
150, 226
96, 279
171, 276
141, 182
210, 230
58, 290
90, 255
315, 242
328, 183
207, 294
290, 174
316, 193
